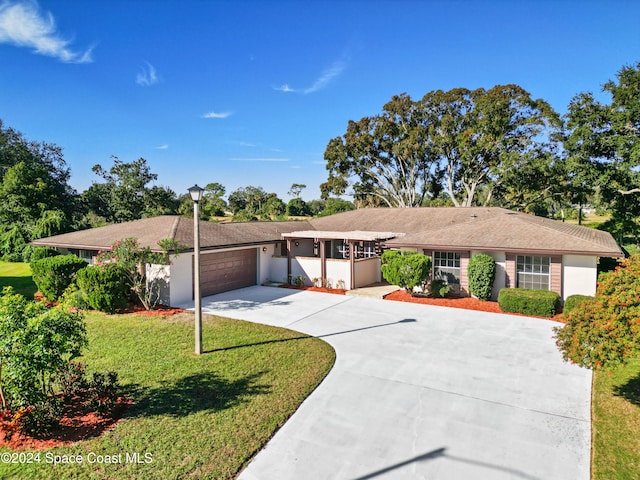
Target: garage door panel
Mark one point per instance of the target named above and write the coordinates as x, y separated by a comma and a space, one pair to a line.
224, 271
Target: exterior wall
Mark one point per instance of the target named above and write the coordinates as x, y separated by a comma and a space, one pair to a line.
510, 270
501, 274
181, 281
579, 275
555, 282
308, 267
337, 270
303, 249
276, 270
367, 271
464, 277
267, 265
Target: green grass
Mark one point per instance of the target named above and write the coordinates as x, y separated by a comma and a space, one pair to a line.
198, 417
18, 276
616, 424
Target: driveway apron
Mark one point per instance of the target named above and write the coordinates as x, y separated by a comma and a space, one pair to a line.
423, 392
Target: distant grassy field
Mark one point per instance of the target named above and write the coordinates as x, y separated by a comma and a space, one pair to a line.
18, 276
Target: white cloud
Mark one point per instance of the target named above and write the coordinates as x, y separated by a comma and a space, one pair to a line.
284, 88
325, 78
259, 159
147, 76
162, 147
217, 114
23, 25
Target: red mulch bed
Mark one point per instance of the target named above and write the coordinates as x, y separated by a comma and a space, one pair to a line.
467, 303
77, 424
337, 291
158, 311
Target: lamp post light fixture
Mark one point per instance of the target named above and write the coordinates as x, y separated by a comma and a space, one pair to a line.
196, 196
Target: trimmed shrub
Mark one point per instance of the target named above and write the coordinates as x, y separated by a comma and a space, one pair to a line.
540, 303
573, 300
405, 269
481, 272
104, 287
38, 253
53, 275
34, 342
438, 288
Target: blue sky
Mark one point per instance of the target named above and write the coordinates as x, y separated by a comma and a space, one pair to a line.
250, 92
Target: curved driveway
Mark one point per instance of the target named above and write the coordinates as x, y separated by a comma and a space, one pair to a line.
421, 392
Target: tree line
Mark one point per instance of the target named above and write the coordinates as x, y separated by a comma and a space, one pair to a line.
495, 147
37, 200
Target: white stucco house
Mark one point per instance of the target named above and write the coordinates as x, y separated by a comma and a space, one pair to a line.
343, 250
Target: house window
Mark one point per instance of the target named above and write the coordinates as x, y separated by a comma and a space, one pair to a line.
446, 267
533, 272
341, 249
365, 249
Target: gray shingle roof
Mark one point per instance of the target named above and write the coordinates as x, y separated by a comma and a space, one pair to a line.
477, 228
149, 231
480, 228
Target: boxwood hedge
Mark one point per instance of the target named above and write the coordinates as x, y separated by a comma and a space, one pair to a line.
540, 303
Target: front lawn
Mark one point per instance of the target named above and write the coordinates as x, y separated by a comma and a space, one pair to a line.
192, 417
18, 276
616, 423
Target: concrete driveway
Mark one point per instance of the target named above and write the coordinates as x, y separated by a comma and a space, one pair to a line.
421, 392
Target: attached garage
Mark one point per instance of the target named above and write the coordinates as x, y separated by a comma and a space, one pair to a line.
224, 271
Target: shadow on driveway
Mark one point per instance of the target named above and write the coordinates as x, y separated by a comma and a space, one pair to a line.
405, 320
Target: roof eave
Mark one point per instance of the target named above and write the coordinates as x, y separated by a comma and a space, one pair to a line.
504, 249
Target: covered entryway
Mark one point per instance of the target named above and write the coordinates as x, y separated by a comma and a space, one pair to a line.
224, 271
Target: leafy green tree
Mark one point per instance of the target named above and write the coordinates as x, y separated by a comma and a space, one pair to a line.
35, 194
211, 205
335, 205
482, 137
132, 259
603, 147
273, 208
296, 189
466, 142
386, 156
248, 198
298, 208
316, 206
125, 194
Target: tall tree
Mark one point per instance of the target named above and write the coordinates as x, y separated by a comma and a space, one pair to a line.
603, 146
125, 194
481, 137
35, 194
296, 189
463, 141
387, 156
211, 205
